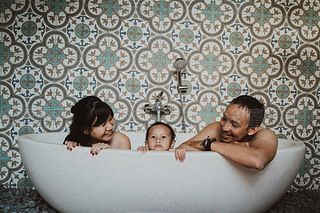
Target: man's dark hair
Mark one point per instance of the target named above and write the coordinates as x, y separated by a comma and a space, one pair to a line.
254, 107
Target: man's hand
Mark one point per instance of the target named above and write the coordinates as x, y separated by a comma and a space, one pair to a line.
180, 153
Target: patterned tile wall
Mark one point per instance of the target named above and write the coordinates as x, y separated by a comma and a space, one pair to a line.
55, 52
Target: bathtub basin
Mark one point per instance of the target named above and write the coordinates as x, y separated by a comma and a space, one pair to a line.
128, 181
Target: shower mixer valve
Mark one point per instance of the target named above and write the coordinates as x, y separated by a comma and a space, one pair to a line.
182, 88
157, 107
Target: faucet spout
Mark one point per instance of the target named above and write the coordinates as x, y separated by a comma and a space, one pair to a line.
157, 107
159, 96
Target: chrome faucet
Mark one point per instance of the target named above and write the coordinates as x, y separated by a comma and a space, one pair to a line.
157, 107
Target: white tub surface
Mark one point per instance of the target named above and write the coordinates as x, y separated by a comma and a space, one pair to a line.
128, 181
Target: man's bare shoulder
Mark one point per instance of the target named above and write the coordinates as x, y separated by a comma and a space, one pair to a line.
265, 136
265, 132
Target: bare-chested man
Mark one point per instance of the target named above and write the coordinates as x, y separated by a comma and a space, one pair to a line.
238, 136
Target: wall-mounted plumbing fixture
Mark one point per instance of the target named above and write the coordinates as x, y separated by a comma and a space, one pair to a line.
157, 107
179, 65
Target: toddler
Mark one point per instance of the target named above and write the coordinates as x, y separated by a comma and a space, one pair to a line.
159, 137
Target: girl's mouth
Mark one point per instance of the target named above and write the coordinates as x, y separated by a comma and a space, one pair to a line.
109, 134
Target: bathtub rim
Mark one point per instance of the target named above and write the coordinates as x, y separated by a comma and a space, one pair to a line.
283, 144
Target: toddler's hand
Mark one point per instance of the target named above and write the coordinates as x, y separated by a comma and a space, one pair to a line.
142, 149
71, 144
97, 147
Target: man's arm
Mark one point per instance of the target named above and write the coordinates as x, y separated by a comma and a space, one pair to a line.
261, 150
212, 131
194, 144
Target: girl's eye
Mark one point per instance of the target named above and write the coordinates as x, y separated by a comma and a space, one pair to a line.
112, 121
153, 137
164, 136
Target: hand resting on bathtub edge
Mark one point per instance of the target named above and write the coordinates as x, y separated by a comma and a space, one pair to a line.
238, 136
92, 125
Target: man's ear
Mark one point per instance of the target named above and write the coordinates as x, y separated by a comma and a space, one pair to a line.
172, 144
252, 130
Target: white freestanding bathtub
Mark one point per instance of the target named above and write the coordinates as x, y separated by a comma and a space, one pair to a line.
128, 181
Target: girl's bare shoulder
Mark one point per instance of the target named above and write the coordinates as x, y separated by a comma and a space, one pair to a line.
119, 135
120, 140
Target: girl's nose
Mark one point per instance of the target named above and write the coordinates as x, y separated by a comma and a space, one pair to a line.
109, 126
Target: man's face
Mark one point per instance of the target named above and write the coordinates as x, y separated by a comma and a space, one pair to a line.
234, 123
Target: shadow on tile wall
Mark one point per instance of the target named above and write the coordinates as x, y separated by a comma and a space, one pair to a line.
55, 53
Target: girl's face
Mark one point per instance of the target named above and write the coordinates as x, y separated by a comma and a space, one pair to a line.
159, 138
104, 131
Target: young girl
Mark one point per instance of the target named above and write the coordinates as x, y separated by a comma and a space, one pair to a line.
92, 125
160, 137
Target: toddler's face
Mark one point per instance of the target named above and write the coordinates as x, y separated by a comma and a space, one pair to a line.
159, 138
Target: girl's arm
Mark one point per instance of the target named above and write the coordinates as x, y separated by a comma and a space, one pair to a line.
118, 141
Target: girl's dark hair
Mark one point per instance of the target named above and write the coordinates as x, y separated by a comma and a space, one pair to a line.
173, 135
254, 107
88, 112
